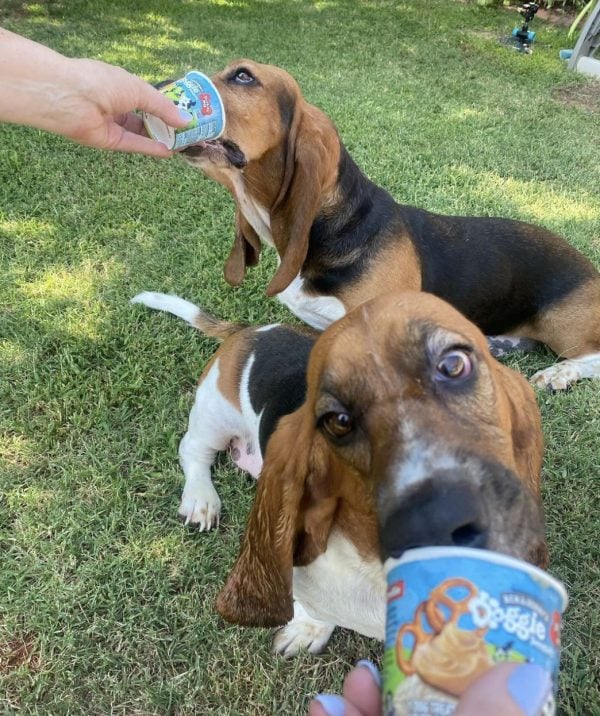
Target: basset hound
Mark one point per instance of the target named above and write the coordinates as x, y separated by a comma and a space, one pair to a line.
394, 428
341, 239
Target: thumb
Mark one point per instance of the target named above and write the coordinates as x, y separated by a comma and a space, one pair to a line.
155, 102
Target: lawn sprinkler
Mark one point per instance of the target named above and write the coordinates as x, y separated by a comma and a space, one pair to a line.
521, 38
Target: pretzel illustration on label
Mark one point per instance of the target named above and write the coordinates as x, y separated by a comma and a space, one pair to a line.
456, 607
417, 630
444, 655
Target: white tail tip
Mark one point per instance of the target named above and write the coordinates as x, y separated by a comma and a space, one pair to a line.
168, 302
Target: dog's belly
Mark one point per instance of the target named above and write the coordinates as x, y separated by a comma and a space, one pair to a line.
341, 587
246, 455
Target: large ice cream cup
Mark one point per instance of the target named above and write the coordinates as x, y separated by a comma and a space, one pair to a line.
455, 613
196, 94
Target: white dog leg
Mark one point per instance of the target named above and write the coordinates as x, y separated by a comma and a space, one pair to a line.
303, 632
213, 423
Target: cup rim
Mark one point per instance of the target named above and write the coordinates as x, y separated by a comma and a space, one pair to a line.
420, 554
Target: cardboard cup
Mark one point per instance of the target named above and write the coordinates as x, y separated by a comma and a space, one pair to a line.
453, 614
195, 93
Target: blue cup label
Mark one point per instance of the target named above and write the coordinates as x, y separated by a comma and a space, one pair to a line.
196, 94
445, 632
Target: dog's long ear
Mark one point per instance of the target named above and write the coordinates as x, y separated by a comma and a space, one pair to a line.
525, 426
289, 523
524, 422
244, 252
311, 162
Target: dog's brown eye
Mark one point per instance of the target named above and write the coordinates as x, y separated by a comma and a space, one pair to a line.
454, 364
337, 424
243, 77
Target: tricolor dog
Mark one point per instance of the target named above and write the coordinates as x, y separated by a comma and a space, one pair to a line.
394, 428
342, 240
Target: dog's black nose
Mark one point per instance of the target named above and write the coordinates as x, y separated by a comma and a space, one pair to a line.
441, 511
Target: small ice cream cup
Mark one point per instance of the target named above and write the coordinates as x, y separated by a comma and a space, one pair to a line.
453, 615
196, 94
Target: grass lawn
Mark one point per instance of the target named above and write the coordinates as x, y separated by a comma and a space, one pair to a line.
106, 600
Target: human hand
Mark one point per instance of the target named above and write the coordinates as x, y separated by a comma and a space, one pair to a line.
87, 101
508, 689
98, 110
361, 695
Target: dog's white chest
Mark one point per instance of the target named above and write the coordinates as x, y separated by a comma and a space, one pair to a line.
318, 311
254, 213
340, 587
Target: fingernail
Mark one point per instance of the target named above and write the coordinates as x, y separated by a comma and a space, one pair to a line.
332, 703
372, 668
530, 686
186, 116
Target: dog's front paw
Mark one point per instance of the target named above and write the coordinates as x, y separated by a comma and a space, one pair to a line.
557, 377
201, 507
302, 633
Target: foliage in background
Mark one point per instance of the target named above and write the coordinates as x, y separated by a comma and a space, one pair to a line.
566, 5
581, 17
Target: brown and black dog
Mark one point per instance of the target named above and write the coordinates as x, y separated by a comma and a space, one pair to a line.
342, 240
395, 428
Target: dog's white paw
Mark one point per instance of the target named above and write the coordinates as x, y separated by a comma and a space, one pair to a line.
557, 377
302, 633
201, 507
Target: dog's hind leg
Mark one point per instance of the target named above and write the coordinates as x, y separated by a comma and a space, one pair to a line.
571, 328
214, 421
566, 373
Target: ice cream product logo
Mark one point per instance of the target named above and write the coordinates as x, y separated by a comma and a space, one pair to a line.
205, 106
395, 590
524, 622
193, 85
555, 628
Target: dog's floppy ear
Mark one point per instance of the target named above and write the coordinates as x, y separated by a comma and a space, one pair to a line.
528, 444
525, 425
312, 156
289, 524
245, 251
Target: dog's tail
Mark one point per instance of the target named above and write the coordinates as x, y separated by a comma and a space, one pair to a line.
195, 316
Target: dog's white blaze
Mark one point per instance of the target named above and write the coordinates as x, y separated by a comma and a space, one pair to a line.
341, 587
318, 311
254, 213
263, 329
421, 458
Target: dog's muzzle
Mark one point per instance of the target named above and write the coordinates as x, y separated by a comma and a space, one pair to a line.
484, 506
